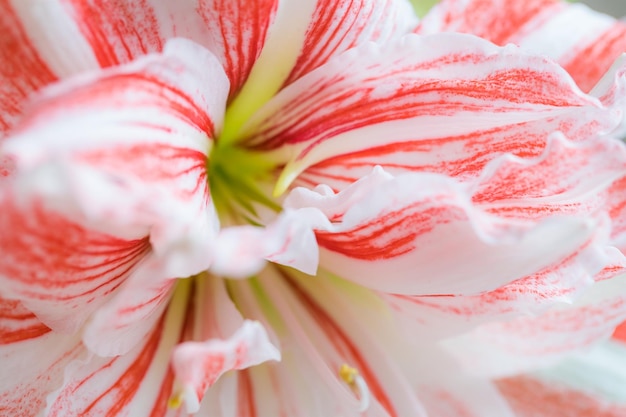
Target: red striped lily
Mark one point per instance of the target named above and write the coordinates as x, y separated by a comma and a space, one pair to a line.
265, 208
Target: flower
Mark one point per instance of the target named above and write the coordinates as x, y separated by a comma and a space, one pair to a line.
423, 201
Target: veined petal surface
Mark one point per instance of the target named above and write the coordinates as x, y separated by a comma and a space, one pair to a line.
527, 343
303, 36
118, 159
471, 100
33, 359
540, 26
385, 231
136, 383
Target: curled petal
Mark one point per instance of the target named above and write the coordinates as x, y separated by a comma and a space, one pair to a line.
540, 26
471, 100
241, 251
123, 155
220, 340
420, 234
198, 365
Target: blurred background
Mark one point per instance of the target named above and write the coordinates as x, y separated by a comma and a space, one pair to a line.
615, 7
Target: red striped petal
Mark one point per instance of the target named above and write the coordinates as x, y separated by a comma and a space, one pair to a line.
23, 70
445, 315
450, 107
33, 360
586, 53
568, 179
302, 37
130, 384
117, 31
17, 323
236, 33
620, 332
117, 162
120, 324
387, 231
337, 26
58, 268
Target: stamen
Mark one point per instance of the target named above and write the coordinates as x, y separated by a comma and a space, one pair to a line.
357, 384
175, 401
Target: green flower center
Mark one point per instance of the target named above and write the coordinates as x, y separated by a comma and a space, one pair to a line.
241, 181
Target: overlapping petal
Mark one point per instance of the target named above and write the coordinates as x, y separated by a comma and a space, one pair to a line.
337, 26
33, 356
540, 26
394, 234
221, 341
527, 343
136, 383
316, 31
58, 268
139, 135
318, 337
471, 101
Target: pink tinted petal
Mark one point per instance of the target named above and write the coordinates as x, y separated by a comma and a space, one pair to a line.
531, 397
471, 101
58, 268
527, 343
387, 231
540, 26
23, 70
337, 26
198, 365
33, 359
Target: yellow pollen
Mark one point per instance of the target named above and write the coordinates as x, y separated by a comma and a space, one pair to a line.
175, 402
348, 374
